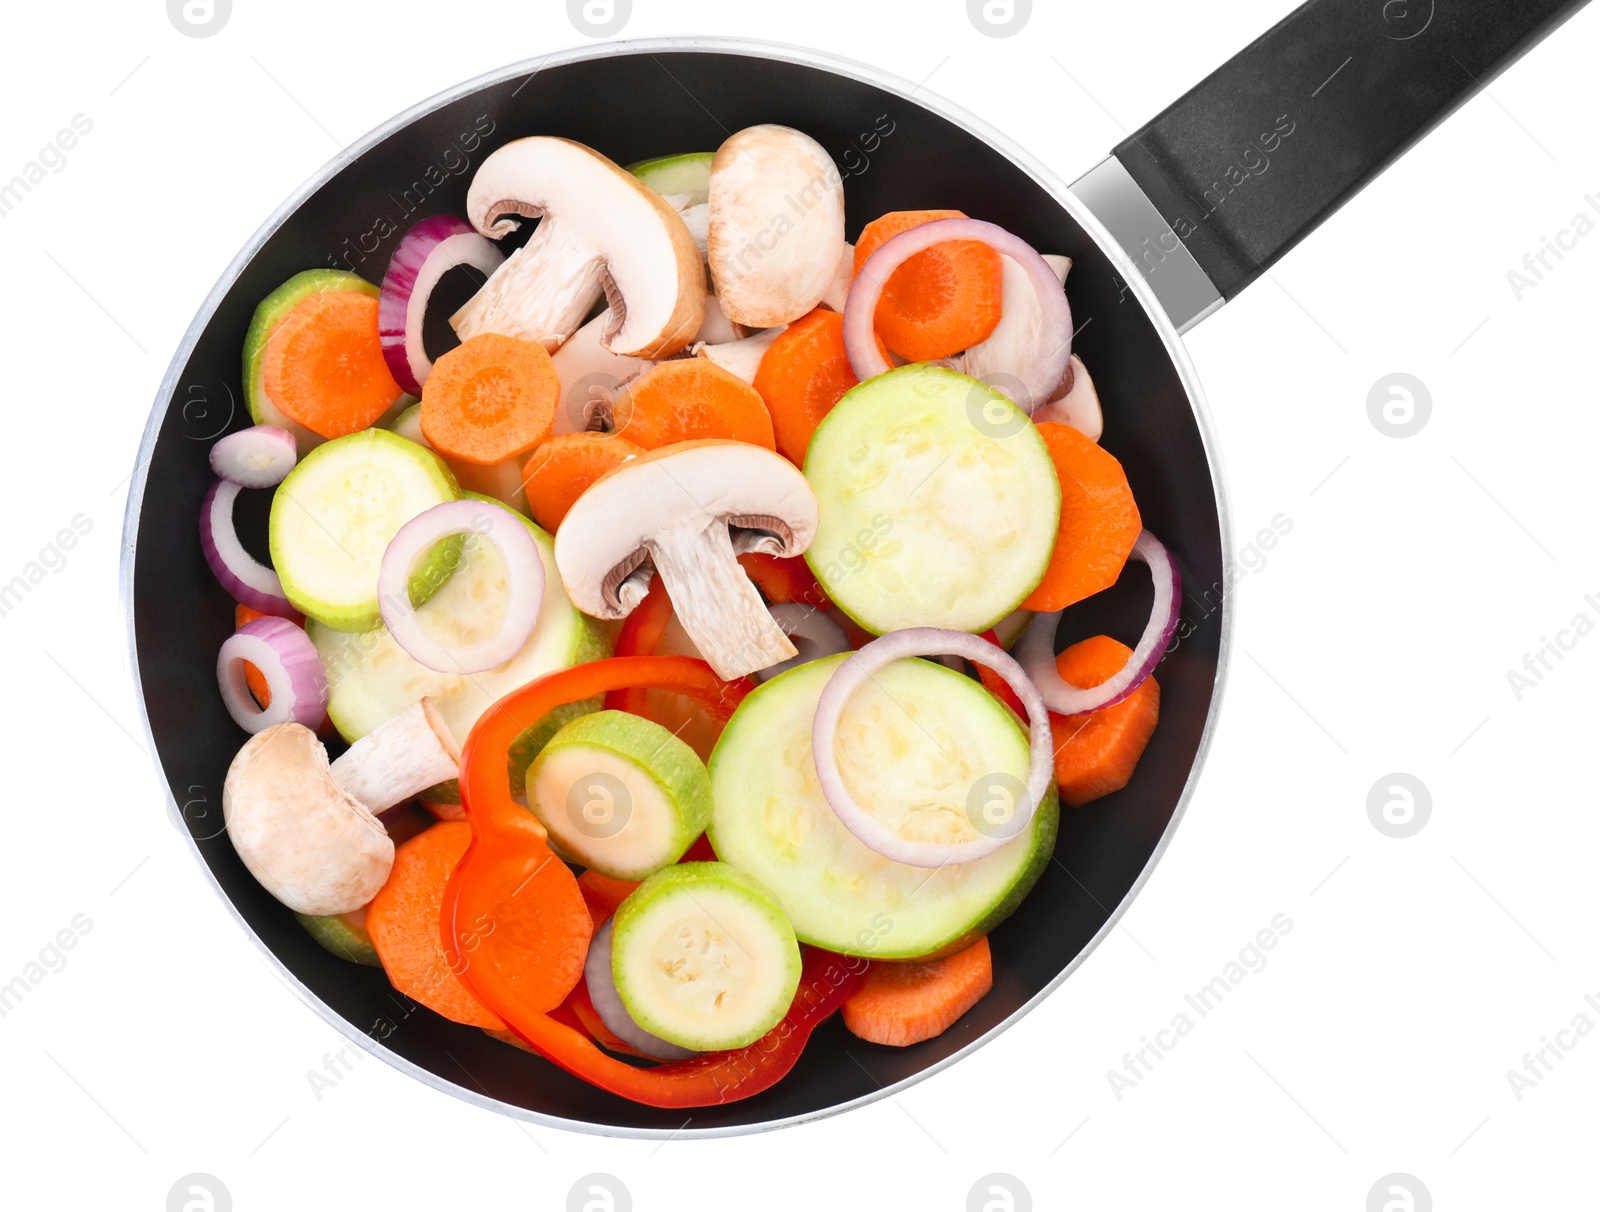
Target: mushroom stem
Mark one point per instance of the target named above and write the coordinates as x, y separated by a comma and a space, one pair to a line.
715, 600
541, 293
402, 756
742, 358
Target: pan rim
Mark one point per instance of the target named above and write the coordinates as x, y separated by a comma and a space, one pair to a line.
750, 48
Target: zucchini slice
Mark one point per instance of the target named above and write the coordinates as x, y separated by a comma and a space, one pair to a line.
938, 502
921, 734
703, 957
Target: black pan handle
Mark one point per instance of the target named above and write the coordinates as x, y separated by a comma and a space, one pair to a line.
1249, 161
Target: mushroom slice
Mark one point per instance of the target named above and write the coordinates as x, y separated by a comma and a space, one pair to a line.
307, 830
602, 231
688, 511
742, 358
775, 225
590, 376
1078, 405
697, 219
839, 289
716, 328
1016, 337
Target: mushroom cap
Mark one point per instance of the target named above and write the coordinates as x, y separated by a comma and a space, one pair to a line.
655, 281
776, 225
315, 848
694, 485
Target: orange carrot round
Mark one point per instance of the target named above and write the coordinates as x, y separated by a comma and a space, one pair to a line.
905, 1003
1099, 521
490, 399
562, 469
688, 399
1097, 751
802, 376
323, 366
941, 301
403, 920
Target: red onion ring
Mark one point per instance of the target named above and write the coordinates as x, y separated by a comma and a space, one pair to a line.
288, 660
424, 255
258, 457
247, 580
861, 666
1037, 647
1037, 381
608, 1004
503, 530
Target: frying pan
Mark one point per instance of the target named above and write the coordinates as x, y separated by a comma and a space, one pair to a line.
1181, 217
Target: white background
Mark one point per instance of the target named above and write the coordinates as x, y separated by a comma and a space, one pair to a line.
1376, 639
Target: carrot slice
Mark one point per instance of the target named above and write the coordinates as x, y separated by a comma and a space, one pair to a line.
688, 399
1097, 751
323, 366
562, 469
1099, 521
802, 376
490, 399
403, 920
941, 301
905, 1003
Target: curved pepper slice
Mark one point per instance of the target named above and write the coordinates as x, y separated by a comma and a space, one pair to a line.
516, 923
640, 636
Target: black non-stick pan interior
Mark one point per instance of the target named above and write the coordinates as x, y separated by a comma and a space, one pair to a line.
645, 102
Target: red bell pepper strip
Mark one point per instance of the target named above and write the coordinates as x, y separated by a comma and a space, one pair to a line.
640, 636
516, 923
585, 1016
784, 578
997, 685
711, 1078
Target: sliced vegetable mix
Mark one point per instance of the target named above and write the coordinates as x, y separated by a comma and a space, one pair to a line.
680, 609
